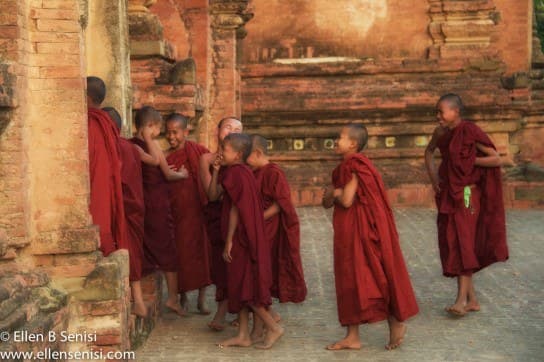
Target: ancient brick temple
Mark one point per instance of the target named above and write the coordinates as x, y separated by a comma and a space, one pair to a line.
295, 72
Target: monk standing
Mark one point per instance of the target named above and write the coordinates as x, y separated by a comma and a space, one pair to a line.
133, 201
372, 283
282, 228
471, 220
159, 241
246, 251
212, 213
106, 206
187, 200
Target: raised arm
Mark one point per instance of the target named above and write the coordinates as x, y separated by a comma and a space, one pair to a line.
429, 158
345, 196
491, 158
215, 190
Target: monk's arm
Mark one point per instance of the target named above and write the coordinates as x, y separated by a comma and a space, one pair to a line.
328, 199
214, 189
205, 177
233, 222
271, 211
146, 157
346, 196
491, 158
169, 173
429, 160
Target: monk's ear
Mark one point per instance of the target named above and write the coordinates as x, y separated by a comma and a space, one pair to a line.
186, 132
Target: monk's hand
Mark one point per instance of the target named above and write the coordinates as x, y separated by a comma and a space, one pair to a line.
217, 161
183, 172
226, 253
436, 185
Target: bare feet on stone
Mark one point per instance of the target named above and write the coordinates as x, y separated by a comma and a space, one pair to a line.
237, 341
397, 330
174, 307
272, 336
216, 326
346, 343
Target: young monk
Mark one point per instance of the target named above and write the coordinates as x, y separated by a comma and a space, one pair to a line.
159, 241
106, 206
246, 251
133, 202
187, 200
471, 220
282, 229
372, 283
212, 213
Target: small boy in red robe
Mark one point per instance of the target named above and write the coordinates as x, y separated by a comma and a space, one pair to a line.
159, 242
133, 201
212, 212
282, 228
471, 220
246, 252
372, 283
187, 199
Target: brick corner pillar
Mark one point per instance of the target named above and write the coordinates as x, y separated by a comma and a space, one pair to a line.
227, 19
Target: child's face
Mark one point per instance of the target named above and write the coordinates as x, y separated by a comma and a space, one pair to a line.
230, 156
343, 143
175, 135
446, 115
229, 126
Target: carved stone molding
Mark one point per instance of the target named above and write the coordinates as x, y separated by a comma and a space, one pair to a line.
461, 28
229, 14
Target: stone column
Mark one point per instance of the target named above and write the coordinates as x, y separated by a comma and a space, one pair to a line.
107, 52
227, 16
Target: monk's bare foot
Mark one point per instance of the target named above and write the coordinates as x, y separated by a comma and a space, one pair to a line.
276, 316
216, 326
346, 343
257, 337
397, 330
183, 301
174, 307
140, 310
472, 307
235, 342
202, 309
456, 310
271, 337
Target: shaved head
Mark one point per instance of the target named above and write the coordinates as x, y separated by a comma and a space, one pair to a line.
454, 102
359, 134
179, 119
259, 142
146, 115
114, 115
96, 90
240, 143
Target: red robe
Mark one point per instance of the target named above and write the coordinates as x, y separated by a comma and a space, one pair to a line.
369, 271
469, 238
186, 199
249, 273
106, 206
282, 232
159, 241
218, 267
133, 200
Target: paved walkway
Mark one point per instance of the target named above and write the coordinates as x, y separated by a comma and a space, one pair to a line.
510, 326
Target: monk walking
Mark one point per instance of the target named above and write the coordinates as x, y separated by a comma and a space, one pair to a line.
133, 201
282, 229
372, 283
212, 213
246, 250
187, 199
159, 241
471, 219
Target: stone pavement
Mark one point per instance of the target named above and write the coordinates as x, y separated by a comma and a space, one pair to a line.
510, 326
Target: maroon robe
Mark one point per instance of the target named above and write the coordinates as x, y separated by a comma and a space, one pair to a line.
106, 206
469, 238
369, 271
159, 241
218, 267
249, 273
186, 199
282, 232
133, 200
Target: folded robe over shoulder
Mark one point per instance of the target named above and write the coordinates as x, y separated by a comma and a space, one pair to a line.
283, 235
468, 245
106, 206
249, 273
133, 200
188, 199
370, 274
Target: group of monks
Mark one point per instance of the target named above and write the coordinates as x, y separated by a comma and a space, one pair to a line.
226, 218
